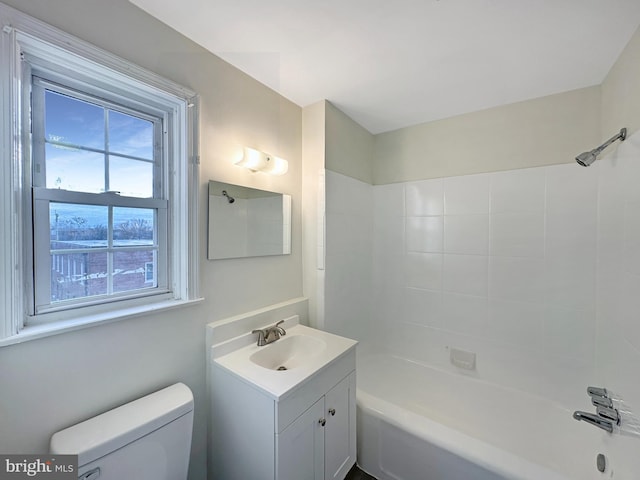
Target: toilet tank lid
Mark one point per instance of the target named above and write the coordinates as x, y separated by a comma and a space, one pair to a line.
100, 435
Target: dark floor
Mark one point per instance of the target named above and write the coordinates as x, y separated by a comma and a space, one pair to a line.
356, 474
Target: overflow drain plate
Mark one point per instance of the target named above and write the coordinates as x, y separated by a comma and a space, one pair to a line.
281, 368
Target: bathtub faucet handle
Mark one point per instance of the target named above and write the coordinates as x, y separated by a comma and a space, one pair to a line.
605, 402
609, 414
597, 392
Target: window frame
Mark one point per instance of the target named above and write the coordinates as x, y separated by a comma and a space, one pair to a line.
40, 295
30, 46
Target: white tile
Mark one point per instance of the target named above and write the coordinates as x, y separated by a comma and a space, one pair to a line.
570, 332
518, 191
466, 195
409, 341
348, 233
423, 307
466, 234
570, 259
424, 198
617, 364
566, 376
515, 367
632, 237
388, 305
388, 269
517, 323
611, 211
517, 235
571, 234
571, 189
423, 270
424, 234
464, 313
388, 236
628, 323
517, 279
571, 281
388, 200
467, 274
347, 195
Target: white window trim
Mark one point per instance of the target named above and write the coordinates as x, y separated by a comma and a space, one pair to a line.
20, 32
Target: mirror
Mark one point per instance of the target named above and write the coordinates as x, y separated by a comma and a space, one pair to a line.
246, 222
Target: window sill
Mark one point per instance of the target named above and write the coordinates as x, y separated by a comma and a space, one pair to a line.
34, 332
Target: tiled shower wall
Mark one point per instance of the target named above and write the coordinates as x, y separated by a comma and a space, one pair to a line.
500, 264
508, 265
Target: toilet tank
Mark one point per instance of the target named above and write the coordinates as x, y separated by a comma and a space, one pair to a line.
147, 439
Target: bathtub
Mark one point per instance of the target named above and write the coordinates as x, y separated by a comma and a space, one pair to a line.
421, 423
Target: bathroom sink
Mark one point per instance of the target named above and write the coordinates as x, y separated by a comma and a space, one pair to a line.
280, 367
288, 353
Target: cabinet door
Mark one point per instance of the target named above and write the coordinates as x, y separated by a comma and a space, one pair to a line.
340, 431
300, 446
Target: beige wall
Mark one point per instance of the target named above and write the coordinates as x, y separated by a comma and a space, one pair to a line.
542, 131
621, 92
349, 147
54, 382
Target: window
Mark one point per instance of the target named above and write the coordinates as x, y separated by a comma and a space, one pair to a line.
100, 195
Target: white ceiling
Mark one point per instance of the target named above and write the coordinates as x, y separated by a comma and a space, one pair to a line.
389, 64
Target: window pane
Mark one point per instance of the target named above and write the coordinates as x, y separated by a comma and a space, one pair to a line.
130, 135
132, 178
76, 226
78, 275
75, 170
73, 121
133, 226
131, 270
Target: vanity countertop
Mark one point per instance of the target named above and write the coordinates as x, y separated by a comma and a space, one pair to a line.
309, 354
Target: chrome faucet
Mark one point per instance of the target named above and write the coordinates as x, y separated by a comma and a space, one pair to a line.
270, 334
606, 416
599, 422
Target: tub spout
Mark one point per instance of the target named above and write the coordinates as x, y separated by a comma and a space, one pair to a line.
599, 422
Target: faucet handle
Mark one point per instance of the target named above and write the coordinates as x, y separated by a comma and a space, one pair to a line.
281, 330
602, 402
597, 392
261, 339
609, 414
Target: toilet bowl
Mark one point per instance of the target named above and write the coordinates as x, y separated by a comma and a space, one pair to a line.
147, 439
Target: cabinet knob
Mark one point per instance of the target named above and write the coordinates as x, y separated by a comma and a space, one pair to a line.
332, 411
322, 422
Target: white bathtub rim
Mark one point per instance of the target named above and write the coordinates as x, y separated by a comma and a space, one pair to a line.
467, 447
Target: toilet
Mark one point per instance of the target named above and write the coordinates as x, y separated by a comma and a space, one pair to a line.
147, 439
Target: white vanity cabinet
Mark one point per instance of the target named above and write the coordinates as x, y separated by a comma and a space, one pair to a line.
307, 433
320, 443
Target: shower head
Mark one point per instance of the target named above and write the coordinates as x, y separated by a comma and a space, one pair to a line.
230, 199
587, 158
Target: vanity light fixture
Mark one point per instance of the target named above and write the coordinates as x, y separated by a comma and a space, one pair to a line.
258, 161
